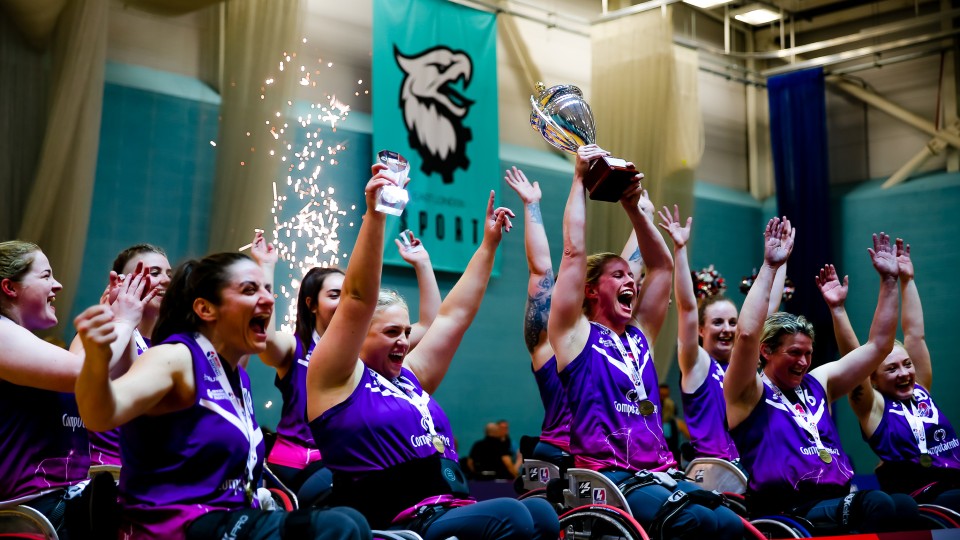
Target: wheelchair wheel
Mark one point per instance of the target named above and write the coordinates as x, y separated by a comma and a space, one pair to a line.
736, 503
600, 522
533, 493
939, 517
750, 532
773, 527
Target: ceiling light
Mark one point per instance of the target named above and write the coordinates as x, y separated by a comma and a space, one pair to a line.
707, 4
756, 14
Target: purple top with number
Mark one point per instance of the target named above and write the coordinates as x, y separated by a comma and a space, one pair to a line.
181, 465
780, 455
294, 447
43, 442
105, 445
706, 414
894, 440
607, 427
556, 413
375, 429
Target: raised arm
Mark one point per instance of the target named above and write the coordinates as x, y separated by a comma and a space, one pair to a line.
106, 404
334, 368
430, 361
430, 299
540, 267
911, 318
834, 293
841, 377
631, 250
281, 346
776, 293
568, 328
694, 361
742, 386
653, 298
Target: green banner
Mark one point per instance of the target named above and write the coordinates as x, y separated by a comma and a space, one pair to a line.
435, 102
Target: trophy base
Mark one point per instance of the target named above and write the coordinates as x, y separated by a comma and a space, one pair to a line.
608, 178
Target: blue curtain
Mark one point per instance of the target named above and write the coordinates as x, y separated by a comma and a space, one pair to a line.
798, 134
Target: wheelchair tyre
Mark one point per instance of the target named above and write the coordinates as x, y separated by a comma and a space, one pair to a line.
540, 493
938, 517
600, 522
750, 532
736, 503
282, 499
772, 527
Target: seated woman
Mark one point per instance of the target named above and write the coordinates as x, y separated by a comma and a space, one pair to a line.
704, 341
44, 452
294, 457
105, 446
369, 406
898, 417
602, 330
190, 444
803, 470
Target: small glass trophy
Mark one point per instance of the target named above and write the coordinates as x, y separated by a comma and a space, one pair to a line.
410, 242
391, 199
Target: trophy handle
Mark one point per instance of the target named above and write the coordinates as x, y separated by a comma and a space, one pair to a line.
554, 125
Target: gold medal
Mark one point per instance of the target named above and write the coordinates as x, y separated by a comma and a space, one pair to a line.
438, 443
647, 407
248, 491
926, 460
825, 455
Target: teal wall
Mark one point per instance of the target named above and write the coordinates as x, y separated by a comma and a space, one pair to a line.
154, 184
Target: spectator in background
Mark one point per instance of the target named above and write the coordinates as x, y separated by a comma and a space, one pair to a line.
491, 457
505, 437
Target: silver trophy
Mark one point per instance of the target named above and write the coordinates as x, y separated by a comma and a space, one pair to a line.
564, 120
392, 199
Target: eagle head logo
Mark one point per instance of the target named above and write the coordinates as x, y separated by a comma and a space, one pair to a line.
433, 110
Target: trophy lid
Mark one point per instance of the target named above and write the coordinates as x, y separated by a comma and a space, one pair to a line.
562, 117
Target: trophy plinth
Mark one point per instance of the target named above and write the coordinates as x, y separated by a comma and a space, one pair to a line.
608, 178
564, 119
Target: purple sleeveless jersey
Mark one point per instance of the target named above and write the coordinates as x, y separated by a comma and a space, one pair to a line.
181, 465
105, 445
780, 455
43, 442
375, 429
894, 441
294, 447
706, 414
556, 414
607, 428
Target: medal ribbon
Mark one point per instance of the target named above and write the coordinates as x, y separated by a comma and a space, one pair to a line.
916, 425
803, 418
141, 343
632, 361
407, 392
243, 414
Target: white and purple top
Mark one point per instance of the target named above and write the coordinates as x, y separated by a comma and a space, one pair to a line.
294, 446
556, 414
614, 399
705, 411
788, 464
898, 437
43, 442
105, 445
181, 465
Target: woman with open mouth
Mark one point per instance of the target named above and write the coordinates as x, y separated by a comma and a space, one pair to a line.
385, 438
191, 448
915, 441
780, 418
295, 458
44, 452
602, 332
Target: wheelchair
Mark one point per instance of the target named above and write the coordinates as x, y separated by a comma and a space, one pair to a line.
26, 523
715, 474
939, 517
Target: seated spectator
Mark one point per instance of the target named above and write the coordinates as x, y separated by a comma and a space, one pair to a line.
491, 458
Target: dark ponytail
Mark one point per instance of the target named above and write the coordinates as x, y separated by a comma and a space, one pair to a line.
193, 279
310, 288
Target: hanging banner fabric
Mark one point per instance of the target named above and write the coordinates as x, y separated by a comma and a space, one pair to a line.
435, 103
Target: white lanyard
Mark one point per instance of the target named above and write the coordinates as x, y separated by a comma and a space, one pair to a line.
421, 402
243, 412
916, 425
141, 343
634, 368
801, 415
